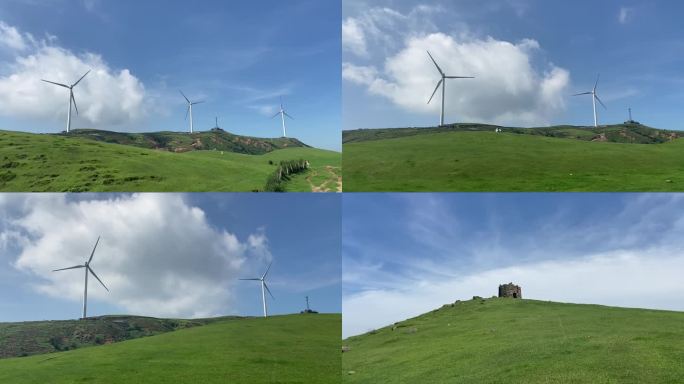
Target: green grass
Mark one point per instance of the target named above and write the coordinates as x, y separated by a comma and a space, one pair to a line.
522, 341
487, 161
57, 163
280, 349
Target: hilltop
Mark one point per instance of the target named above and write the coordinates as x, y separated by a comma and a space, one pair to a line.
473, 158
633, 133
216, 139
521, 341
87, 162
284, 349
38, 337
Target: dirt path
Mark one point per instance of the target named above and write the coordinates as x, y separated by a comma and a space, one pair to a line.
333, 177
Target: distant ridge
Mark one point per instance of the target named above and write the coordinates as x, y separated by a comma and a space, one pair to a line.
214, 139
36, 337
619, 133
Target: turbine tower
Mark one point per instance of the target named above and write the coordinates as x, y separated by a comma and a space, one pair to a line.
72, 99
87, 269
217, 126
282, 114
264, 288
189, 110
442, 82
594, 98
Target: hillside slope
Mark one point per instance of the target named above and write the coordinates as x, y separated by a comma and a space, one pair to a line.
632, 133
215, 139
522, 341
505, 162
280, 349
39, 337
55, 163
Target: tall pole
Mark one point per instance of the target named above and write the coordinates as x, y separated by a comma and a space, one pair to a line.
69, 113
191, 118
282, 117
85, 292
593, 99
441, 116
307, 303
263, 298
630, 115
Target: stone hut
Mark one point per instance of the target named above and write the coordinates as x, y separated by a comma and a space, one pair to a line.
510, 290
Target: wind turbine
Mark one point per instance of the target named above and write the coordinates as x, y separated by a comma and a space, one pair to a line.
264, 288
72, 99
594, 98
442, 82
87, 269
189, 111
282, 114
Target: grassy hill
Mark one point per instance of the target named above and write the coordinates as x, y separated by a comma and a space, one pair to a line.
38, 337
280, 349
215, 139
542, 159
60, 163
521, 341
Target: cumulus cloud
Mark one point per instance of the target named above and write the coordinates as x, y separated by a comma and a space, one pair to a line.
513, 85
158, 255
620, 278
106, 97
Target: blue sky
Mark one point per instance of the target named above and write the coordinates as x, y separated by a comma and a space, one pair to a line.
240, 57
168, 255
529, 56
406, 254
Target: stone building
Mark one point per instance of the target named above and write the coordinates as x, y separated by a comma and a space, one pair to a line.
510, 290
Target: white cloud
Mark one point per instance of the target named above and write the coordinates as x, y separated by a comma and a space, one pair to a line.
353, 38
11, 38
625, 15
507, 89
649, 279
158, 255
106, 96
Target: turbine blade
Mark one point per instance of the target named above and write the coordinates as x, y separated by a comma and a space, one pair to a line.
98, 279
274, 116
433, 60
584, 93
599, 100
79, 80
459, 77
52, 82
198, 102
185, 97
288, 115
74, 100
257, 279
64, 269
597, 80
435, 91
267, 269
187, 111
93, 252
269, 291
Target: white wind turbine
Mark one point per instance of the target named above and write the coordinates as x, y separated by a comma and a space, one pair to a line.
282, 114
594, 98
72, 99
87, 269
189, 110
264, 288
442, 82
